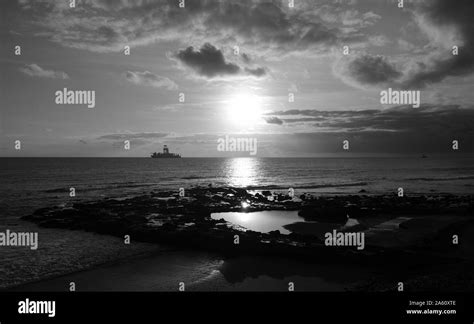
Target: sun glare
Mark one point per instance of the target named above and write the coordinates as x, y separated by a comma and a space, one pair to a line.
244, 110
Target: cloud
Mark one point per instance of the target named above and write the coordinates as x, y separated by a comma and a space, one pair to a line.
430, 119
446, 23
263, 27
258, 72
399, 130
209, 62
323, 113
150, 79
405, 45
367, 70
129, 136
293, 88
273, 120
443, 24
266, 29
246, 58
35, 70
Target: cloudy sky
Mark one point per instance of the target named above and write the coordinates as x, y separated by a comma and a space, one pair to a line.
236, 62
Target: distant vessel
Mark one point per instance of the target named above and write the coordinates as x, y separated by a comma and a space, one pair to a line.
424, 156
166, 154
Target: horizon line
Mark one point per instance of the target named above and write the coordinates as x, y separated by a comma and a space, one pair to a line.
362, 155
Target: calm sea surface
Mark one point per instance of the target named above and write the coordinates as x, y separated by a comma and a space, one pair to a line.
29, 183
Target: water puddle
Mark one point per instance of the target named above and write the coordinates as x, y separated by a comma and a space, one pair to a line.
282, 220
262, 221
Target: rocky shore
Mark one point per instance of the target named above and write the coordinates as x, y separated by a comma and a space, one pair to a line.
169, 218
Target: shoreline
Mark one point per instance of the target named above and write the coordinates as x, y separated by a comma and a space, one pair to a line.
79, 271
201, 271
166, 218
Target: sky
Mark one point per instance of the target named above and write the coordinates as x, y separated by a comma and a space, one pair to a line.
238, 64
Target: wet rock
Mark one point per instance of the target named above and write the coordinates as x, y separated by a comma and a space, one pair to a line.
259, 198
324, 214
186, 222
274, 233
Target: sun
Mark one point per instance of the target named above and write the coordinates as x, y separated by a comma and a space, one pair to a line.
244, 110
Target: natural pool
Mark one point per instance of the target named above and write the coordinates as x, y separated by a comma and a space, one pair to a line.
271, 220
262, 221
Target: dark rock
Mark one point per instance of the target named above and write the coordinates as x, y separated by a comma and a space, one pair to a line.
259, 198
187, 222
324, 214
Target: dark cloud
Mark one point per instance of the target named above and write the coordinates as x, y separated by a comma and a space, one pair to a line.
107, 33
369, 70
442, 14
129, 136
403, 129
322, 115
246, 58
258, 72
325, 113
445, 23
273, 120
429, 119
303, 120
210, 62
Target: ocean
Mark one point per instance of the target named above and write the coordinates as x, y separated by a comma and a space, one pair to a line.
31, 183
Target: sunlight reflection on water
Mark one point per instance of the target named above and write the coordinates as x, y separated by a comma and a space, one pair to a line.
243, 172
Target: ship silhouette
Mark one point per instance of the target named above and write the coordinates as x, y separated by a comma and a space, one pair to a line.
165, 155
